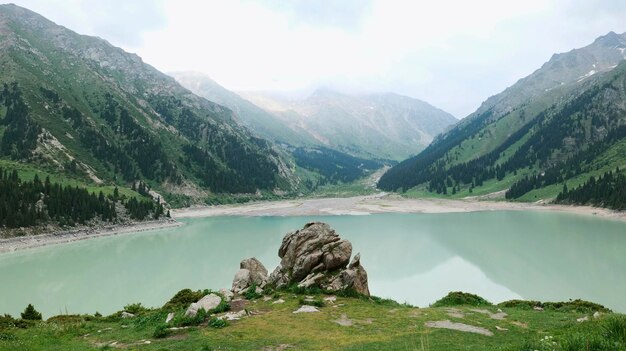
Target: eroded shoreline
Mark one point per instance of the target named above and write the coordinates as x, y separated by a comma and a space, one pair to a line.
62, 237
382, 203
358, 205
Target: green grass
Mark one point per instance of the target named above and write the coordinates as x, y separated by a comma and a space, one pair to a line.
377, 324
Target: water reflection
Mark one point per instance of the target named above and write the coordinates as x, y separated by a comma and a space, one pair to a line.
409, 257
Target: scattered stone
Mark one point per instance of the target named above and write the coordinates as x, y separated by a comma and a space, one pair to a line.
306, 309
344, 321
499, 328
280, 347
497, 316
455, 313
582, 319
459, 327
278, 301
537, 308
267, 298
520, 324
597, 315
310, 254
177, 328
127, 315
237, 305
330, 299
228, 295
170, 316
234, 316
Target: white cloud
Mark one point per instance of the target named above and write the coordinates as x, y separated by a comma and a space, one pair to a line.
451, 53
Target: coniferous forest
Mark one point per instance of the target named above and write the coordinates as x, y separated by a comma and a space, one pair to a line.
609, 190
35, 202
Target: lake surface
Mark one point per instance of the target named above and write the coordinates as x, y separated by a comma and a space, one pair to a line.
417, 258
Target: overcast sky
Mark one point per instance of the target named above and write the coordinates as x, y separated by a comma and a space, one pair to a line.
453, 54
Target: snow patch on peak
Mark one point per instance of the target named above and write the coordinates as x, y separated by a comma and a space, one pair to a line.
587, 75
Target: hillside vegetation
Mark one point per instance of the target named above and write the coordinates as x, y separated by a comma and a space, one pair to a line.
458, 322
555, 127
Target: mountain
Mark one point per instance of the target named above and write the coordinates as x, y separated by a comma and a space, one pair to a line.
259, 121
561, 125
77, 106
378, 126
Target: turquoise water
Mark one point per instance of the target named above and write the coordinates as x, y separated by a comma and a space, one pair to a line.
416, 258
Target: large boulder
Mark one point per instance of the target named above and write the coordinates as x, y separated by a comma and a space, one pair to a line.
206, 303
251, 272
317, 256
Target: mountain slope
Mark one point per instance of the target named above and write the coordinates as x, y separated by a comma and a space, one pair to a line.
380, 126
261, 122
96, 112
553, 124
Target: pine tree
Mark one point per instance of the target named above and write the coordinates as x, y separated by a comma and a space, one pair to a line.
31, 314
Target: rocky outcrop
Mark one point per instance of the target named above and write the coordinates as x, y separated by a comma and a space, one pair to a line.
317, 256
251, 272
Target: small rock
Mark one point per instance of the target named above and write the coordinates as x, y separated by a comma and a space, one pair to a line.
228, 295
278, 301
306, 309
267, 298
344, 321
330, 299
233, 316
500, 328
537, 308
582, 319
127, 315
597, 315
170, 316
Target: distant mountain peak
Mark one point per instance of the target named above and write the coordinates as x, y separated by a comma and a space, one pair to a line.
611, 39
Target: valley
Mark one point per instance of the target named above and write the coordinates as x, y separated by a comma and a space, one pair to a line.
132, 185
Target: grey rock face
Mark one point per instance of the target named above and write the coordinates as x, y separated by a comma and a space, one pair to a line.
317, 256
251, 272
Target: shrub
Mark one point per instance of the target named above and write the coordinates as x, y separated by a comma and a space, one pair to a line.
521, 304
183, 299
7, 321
579, 306
458, 298
135, 308
182, 321
251, 293
31, 314
217, 323
7, 337
222, 307
161, 331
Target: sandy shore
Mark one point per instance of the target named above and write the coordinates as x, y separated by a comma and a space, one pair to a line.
32, 241
381, 203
